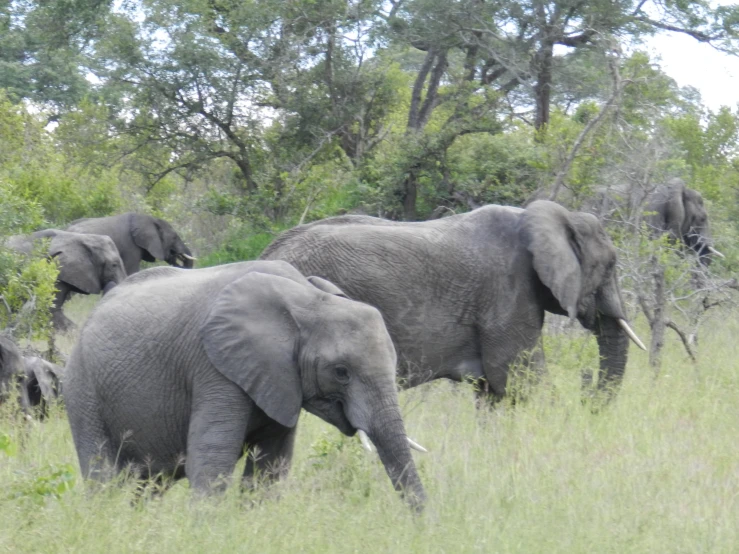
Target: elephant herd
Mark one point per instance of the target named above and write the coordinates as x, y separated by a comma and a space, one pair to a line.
176, 373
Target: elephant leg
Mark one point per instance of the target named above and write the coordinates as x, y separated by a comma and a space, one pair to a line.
270, 453
527, 372
506, 352
95, 449
215, 439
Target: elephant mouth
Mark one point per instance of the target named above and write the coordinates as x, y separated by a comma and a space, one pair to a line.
182, 260
332, 411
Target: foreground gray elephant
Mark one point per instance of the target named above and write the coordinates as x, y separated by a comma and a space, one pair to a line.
464, 297
38, 381
139, 237
199, 364
672, 208
88, 264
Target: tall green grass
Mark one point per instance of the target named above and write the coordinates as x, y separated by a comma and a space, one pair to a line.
656, 471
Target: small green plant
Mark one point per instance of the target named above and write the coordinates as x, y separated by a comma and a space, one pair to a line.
50, 481
7, 446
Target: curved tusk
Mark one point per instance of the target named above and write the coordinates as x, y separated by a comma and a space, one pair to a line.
364, 439
188, 257
712, 250
414, 445
632, 335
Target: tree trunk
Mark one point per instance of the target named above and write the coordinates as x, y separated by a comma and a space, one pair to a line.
543, 87
410, 193
657, 326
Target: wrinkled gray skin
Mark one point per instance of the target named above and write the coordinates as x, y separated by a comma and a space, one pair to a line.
464, 296
138, 237
196, 365
672, 208
39, 381
88, 264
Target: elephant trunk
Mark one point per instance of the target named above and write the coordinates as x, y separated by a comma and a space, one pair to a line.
613, 344
387, 432
108, 286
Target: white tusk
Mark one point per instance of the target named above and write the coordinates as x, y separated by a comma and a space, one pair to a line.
188, 257
366, 443
414, 445
712, 250
632, 335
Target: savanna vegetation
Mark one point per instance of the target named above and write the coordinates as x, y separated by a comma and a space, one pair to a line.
236, 120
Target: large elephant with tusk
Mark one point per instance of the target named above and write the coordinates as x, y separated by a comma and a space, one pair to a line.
670, 208
139, 237
465, 296
200, 365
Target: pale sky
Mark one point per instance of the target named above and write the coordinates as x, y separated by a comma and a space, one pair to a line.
689, 62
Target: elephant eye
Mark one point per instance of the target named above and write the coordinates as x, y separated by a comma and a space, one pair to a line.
341, 373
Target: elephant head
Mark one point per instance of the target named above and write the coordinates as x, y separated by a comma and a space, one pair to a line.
574, 258
679, 210
159, 241
89, 264
311, 347
41, 383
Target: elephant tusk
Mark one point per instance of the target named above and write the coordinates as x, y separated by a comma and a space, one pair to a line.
712, 250
366, 443
188, 257
632, 335
414, 445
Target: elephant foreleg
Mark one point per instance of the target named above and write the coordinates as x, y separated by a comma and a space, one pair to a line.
270, 454
511, 360
215, 439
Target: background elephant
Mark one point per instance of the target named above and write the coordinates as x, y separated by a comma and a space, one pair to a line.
11, 367
88, 264
464, 296
38, 381
671, 208
139, 237
201, 363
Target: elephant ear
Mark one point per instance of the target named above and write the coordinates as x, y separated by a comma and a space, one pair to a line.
548, 235
147, 235
674, 209
326, 286
251, 337
77, 262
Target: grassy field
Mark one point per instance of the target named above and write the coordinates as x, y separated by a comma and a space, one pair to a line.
658, 471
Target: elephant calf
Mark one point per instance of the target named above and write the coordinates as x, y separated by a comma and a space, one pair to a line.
39, 381
464, 296
197, 364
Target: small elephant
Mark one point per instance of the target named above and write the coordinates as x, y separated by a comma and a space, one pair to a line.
464, 297
139, 237
198, 364
39, 381
88, 264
